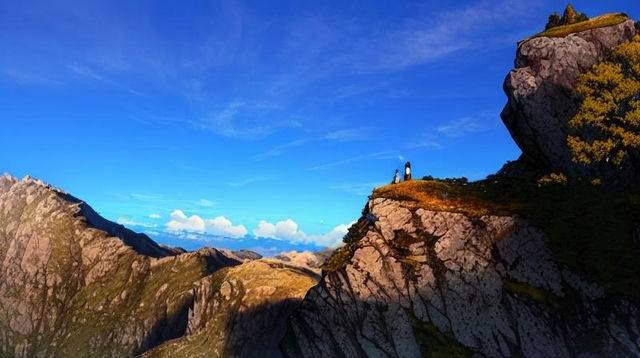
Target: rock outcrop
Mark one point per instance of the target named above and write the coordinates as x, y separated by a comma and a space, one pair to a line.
540, 94
74, 284
305, 259
424, 282
241, 311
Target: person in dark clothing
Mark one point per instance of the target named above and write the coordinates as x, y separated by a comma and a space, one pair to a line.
396, 178
407, 171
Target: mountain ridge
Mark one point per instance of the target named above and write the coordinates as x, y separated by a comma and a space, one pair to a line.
76, 284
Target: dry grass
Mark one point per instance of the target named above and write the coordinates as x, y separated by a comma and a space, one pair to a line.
594, 23
443, 196
589, 227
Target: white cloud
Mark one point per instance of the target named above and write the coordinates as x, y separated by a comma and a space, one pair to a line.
154, 216
288, 230
219, 225
180, 222
206, 203
284, 230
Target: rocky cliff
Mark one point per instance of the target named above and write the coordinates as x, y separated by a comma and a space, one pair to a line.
445, 283
501, 267
541, 99
74, 284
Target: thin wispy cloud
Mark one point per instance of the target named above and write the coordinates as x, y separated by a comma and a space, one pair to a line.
157, 201
353, 90
385, 155
240, 119
426, 141
337, 163
280, 149
360, 189
427, 38
463, 126
28, 78
248, 181
341, 135
349, 134
437, 138
127, 221
91, 74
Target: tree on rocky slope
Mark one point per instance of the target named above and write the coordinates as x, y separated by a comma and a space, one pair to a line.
569, 16
606, 127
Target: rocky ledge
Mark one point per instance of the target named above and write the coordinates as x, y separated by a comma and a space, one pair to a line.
423, 283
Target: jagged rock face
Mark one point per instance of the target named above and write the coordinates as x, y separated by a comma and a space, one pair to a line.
540, 98
423, 282
75, 284
241, 311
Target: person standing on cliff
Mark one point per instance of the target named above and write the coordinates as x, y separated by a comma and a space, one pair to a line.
407, 171
396, 178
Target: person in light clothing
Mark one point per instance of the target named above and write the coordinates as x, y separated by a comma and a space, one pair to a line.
407, 171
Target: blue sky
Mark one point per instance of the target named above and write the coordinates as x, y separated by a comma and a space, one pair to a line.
255, 124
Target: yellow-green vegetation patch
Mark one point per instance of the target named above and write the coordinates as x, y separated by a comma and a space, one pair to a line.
594, 23
434, 343
528, 291
605, 131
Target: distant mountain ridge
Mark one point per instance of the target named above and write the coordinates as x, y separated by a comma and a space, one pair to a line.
75, 284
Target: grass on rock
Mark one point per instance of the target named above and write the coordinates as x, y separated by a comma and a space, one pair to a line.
590, 228
594, 23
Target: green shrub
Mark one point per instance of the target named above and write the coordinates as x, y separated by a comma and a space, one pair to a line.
569, 17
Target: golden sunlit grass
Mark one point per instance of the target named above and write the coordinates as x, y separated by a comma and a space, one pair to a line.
444, 196
590, 228
594, 23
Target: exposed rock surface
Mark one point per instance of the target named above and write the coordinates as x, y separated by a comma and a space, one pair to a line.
306, 259
247, 255
74, 284
423, 282
539, 91
241, 311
